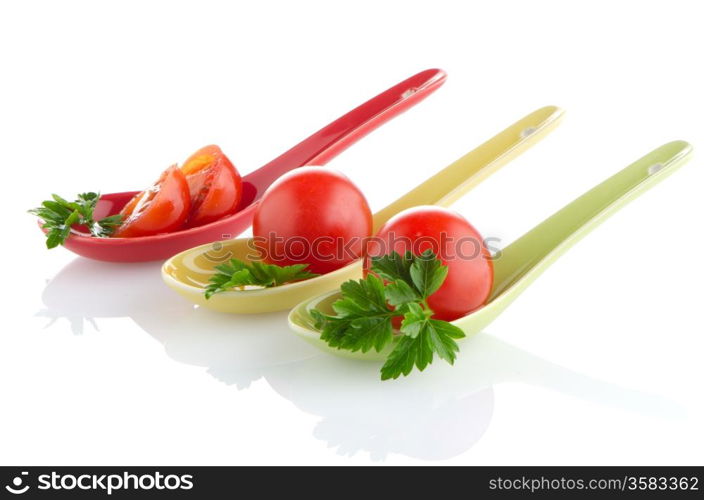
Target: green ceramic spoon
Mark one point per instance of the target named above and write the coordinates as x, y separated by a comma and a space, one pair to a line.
526, 258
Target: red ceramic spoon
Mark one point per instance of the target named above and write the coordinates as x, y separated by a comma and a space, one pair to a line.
317, 149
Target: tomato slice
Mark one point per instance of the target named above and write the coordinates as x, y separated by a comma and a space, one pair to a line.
160, 209
215, 185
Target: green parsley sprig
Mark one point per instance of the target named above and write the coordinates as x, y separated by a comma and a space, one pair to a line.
237, 274
363, 319
59, 215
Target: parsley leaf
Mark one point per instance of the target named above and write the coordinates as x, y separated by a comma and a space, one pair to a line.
408, 353
398, 293
427, 273
398, 286
59, 215
237, 274
394, 267
363, 319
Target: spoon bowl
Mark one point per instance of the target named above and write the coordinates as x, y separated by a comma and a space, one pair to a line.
318, 149
188, 273
524, 260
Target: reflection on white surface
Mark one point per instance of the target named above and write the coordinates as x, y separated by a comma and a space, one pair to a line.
420, 417
234, 349
439, 413
434, 415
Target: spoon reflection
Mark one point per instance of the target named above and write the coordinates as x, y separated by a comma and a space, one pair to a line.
433, 415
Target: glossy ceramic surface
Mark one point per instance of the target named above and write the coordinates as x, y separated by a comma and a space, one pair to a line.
317, 149
524, 260
188, 272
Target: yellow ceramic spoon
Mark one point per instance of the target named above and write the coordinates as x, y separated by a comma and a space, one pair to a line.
189, 271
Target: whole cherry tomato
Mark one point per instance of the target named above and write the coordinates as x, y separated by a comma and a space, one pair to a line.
214, 183
313, 216
455, 242
160, 209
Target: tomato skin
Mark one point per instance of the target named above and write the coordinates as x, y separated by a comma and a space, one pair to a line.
163, 208
215, 185
471, 272
315, 216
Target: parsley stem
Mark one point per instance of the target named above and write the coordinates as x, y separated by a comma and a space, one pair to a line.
428, 311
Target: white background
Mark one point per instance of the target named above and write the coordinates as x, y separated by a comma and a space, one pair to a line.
599, 362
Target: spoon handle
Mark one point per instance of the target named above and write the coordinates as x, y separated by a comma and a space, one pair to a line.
448, 185
523, 260
331, 140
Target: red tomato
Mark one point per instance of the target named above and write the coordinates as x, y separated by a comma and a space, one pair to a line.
313, 216
214, 184
160, 209
456, 243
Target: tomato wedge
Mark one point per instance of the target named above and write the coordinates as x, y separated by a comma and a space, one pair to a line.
160, 209
215, 185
